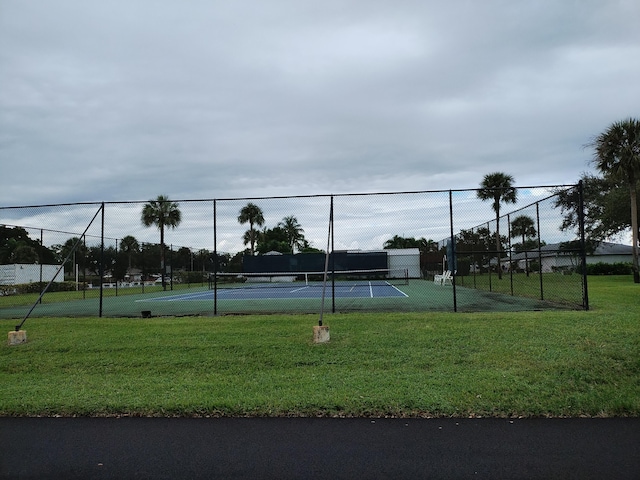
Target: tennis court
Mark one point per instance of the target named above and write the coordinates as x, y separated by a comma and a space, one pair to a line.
417, 296
270, 291
105, 277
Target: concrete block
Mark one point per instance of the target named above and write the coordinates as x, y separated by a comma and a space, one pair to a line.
16, 338
321, 334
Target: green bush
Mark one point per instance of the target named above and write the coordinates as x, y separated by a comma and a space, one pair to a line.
191, 277
601, 268
37, 287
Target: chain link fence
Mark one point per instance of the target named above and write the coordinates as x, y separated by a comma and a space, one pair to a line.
388, 252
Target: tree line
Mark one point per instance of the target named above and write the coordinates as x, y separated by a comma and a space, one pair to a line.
285, 237
610, 195
610, 205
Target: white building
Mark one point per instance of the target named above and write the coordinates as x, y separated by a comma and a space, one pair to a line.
20, 273
404, 259
553, 257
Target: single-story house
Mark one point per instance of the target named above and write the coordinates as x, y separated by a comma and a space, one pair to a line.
554, 257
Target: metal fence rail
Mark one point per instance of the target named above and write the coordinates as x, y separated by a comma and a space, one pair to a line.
113, 267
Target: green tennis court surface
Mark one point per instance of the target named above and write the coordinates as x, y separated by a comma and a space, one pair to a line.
418, 295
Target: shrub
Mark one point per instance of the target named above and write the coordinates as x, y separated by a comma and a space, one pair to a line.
602, 268
37, 287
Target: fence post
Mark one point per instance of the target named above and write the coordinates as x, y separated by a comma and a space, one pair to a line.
510, 251
113, 267
40, 257
489, 258
583, 253
326, 267
101, 259
84, 266
452, 262
215, 259
333, 260
539, 251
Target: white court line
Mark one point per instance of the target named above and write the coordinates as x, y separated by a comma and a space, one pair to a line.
397, 289
299, 289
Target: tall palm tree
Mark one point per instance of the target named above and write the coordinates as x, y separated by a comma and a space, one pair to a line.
162, 213
523, 226
294, 232
617, 155
252, 214
498, 187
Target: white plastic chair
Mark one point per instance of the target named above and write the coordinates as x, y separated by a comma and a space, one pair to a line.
444, 278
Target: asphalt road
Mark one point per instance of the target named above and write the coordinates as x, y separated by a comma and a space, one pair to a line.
319, 448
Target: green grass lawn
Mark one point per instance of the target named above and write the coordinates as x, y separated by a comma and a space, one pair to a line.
560, 363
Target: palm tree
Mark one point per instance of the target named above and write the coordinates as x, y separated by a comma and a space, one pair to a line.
499, 188
523, 226
162, 213
427, 246
617, 155
294, 232
250, 237
408, 242
252, 214
396, 242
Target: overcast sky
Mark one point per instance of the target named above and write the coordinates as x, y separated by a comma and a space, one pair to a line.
126, 100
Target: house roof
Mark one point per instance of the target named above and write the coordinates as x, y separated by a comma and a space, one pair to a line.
607, 248
553, 249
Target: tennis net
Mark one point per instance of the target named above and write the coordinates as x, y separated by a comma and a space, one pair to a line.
342, 278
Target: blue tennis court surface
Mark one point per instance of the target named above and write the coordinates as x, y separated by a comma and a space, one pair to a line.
292, 292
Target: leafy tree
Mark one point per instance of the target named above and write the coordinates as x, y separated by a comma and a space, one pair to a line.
477, 241
162, 213
120, 267
427, 246
96, 255
24, 254
235, 262
498, 187
294, 232
203, 260
273, 240
400, 242
130, 246
523, 227
253, 215
606, 207
78, 258
308, 248
182, 259
617, 155
17, 247
149, 255
422, 244
93, 260
224, 259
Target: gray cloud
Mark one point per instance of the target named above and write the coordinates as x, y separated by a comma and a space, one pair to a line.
127, 100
